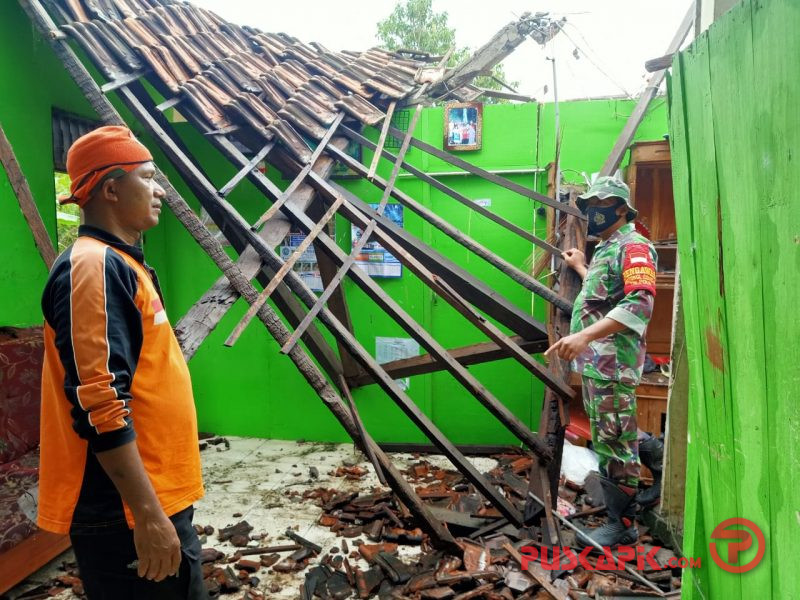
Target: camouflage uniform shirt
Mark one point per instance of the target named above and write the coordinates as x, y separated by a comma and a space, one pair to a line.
619, 284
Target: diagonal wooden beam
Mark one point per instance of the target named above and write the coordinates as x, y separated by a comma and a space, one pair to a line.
373, 166
338, 301
277, 279
626, 135
298, 180
26, 202
226, 189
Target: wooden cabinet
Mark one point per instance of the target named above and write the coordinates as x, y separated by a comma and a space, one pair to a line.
649, 176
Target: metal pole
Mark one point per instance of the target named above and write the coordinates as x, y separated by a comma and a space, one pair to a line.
558, 153
557, 175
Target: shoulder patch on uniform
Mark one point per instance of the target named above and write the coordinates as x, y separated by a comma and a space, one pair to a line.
638, 270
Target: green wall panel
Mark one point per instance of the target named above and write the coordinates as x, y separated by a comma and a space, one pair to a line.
736, 210
25, 114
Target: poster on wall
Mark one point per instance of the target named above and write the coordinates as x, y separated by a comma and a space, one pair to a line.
389, 349
463, 126
306, 266
374, 258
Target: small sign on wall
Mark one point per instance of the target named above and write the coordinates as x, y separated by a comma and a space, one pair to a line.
374, 258
390, 349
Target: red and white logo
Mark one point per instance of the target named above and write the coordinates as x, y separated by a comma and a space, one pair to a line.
160, 314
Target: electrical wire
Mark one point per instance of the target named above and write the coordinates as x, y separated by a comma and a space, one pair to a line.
589, 58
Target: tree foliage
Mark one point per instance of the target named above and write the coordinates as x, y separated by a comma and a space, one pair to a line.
414, 25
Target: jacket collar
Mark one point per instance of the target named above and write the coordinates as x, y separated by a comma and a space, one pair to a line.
112, 240
621, 232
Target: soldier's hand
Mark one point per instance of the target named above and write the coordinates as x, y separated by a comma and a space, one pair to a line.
569, 347
574, 258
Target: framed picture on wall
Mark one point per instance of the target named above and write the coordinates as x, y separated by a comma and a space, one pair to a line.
342, 171
463, 126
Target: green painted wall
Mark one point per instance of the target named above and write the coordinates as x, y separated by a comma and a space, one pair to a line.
253, 389
590, 128
25, 104
735, 135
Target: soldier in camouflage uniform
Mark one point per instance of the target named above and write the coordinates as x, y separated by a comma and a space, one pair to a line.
607, 345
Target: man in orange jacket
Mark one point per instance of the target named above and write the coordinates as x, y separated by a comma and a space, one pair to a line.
120, 464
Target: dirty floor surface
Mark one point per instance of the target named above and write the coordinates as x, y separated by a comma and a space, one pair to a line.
251, 479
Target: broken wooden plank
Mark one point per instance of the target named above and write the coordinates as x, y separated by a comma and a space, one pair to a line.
536, 573
361, 430
657, 64
26, 202
492, 53
381, 140
626, 135
555, 414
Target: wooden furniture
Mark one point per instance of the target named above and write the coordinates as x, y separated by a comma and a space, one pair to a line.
23, 547
649, 176
29, 556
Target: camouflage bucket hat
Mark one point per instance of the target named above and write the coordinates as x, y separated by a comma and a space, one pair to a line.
606, 187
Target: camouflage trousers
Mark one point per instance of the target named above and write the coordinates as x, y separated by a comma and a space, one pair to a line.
611, 408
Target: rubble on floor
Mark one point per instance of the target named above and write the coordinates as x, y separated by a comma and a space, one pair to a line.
364, 543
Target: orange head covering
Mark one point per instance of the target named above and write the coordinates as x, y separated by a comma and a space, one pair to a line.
98, 153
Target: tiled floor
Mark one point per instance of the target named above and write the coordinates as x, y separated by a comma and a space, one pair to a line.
252, 478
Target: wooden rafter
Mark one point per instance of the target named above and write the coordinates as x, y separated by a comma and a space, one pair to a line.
626, 135
22, 191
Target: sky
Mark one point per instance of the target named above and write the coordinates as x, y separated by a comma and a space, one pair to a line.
613, 38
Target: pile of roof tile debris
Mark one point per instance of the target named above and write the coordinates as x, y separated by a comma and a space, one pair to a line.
68, 580
384, 554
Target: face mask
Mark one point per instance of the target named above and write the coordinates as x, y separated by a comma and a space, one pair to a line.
601, 219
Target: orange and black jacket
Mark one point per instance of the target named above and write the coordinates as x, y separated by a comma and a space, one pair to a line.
113, 372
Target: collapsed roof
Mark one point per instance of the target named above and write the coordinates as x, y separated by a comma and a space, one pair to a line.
259, 96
